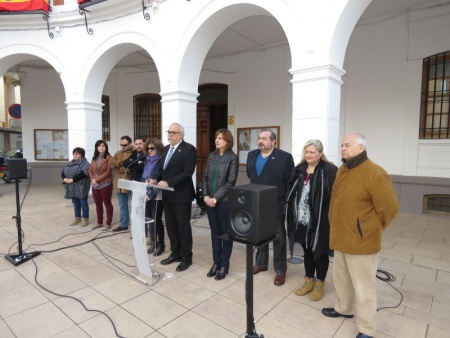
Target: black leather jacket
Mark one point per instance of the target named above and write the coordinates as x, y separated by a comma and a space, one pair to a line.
227, 172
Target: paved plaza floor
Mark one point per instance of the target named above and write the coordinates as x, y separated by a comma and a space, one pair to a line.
93, 266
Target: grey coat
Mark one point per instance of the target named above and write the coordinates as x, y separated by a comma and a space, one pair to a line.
226, 177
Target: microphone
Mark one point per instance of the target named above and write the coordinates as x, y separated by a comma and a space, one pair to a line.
128, 166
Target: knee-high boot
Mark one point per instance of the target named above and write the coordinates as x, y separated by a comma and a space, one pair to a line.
151, 229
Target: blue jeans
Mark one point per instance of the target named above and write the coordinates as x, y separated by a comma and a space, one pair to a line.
124, 199
80, 205
218, 222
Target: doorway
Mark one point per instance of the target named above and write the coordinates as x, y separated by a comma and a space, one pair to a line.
212, 114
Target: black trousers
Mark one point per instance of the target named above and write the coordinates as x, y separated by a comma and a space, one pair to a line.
154, 209
315, 268
178, 226
279, 250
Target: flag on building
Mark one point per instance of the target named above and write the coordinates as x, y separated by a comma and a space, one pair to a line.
23, 5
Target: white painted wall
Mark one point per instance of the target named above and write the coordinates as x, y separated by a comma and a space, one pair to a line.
381, 94
380, 97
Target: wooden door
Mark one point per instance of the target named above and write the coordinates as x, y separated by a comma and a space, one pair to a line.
203, 140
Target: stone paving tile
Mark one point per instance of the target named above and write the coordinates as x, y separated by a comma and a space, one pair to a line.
415, 249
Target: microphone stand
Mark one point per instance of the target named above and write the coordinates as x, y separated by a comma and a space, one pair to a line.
21, 257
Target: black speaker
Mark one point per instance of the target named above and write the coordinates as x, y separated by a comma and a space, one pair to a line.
252, 213
16, 168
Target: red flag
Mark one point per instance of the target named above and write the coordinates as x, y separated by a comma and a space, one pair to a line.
23, 5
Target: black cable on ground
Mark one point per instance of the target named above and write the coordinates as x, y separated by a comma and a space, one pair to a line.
388, 277
79, 301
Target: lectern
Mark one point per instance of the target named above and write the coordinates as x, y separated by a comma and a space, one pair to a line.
143, 273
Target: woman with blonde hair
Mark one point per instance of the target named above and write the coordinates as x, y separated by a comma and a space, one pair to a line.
307, 203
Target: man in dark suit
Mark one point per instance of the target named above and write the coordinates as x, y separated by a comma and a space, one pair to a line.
271, 166
176, 167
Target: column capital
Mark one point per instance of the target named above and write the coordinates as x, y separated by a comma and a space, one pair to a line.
179, 96
85, 105
324, 72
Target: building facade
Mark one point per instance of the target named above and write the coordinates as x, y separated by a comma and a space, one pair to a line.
324, 69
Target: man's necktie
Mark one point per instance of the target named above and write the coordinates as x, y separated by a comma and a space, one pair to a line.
169, 155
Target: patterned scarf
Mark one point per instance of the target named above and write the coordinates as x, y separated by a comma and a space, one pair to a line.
316, 195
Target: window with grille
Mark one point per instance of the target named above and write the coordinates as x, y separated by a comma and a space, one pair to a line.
106, 129
436, 204
434, 109
147, 115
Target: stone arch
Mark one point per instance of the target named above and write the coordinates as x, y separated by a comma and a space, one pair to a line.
102, 60
206, 28
344, 28
13, 55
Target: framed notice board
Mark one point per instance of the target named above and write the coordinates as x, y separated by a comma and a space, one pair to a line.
51, 144
248, 140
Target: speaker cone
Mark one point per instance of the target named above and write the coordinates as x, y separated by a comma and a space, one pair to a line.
242, 222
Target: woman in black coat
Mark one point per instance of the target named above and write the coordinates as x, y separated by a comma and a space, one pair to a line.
307, 203
219, 176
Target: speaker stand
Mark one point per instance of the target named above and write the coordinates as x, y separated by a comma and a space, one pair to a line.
21, 257
249, 295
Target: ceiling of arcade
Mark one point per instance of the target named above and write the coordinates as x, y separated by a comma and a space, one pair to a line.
252, 33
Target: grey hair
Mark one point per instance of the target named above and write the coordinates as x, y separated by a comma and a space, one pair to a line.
179, 127
360, 139
319, 147
272, 136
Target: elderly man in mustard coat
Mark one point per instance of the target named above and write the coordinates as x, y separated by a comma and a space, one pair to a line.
363, 203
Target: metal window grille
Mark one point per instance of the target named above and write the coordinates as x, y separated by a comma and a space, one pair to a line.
436, 204
147, 115
434, 109
106, 119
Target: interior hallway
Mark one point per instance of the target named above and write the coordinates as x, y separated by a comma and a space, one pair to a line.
416, 250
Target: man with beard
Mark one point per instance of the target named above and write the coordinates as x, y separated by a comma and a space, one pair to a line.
269, 165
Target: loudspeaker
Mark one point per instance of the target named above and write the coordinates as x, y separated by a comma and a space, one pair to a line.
252, 213
16, 168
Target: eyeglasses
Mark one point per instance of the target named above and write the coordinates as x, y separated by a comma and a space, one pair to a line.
172, 133
345, 145
151, 148
124, 145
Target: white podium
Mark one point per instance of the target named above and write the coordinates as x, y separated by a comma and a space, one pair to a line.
143, 273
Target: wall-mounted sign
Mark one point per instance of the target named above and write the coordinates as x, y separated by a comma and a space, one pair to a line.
15, 111
16, 124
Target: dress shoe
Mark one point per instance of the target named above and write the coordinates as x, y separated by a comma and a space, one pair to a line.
363, 335
221, 273
120, 229
257, 269
279, 280
331, 312
170, 260
159, 250
213, 271
183, 265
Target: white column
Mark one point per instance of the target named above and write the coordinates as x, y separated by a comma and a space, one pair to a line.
84, 121
180, 107
316, 108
